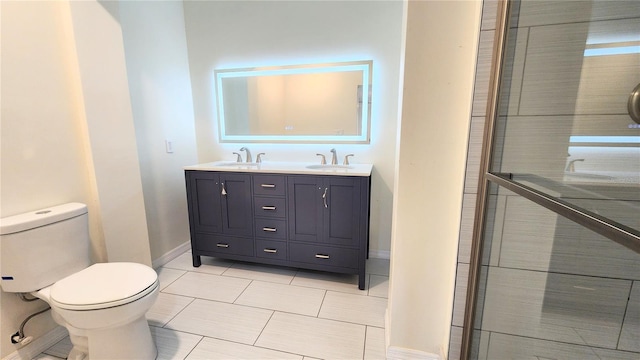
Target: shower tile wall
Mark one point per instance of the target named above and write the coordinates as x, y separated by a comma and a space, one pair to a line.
529, 241
556, 290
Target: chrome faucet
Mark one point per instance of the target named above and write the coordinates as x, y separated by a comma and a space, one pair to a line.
249, 159
571, 166
238, 157
346, 159
334, 158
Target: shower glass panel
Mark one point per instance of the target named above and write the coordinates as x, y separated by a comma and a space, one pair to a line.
549, 287
563, 120
552, 289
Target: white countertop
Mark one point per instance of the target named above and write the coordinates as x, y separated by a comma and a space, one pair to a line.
275, 167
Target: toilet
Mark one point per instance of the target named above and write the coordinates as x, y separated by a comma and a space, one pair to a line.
45, 253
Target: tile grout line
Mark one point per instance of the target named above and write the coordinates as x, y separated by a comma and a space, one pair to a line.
294, 276
324, 296
179, 312
193, 348
242, 292
364, 346
264, 327
174, 280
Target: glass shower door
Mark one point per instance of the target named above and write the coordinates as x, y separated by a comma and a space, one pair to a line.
559, 275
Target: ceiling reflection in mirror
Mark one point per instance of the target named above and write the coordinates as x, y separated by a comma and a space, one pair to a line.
319, 103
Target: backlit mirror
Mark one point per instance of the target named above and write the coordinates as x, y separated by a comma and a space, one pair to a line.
328, 103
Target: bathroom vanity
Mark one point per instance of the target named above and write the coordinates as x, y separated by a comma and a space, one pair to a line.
291, 214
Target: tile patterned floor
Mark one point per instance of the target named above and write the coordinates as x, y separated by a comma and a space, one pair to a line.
234, 310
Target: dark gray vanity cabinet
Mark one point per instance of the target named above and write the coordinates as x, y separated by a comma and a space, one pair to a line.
304, 221
220, 214
270, 210
325, 209
328, 223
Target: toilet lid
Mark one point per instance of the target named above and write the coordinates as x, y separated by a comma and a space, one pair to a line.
104, 285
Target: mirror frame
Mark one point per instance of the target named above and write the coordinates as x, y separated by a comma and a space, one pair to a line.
363, 138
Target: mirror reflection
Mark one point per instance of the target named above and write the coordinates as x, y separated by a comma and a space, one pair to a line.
310, 103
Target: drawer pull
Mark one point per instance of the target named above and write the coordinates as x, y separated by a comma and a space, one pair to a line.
322, 256
271, 251
268, 185
220, 245
268, 207
269, 229
324, 197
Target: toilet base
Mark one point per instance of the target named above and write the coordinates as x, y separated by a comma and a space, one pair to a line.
80, 348
132, 341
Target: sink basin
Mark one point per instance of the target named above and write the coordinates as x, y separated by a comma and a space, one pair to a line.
238, 164
328, 167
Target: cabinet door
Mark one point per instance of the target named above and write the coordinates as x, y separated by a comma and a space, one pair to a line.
237, 214
342, 212
205, 196
305, 208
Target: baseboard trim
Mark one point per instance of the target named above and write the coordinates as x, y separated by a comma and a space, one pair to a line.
380, 254
179, 250
399, 353
387, 341
38, 345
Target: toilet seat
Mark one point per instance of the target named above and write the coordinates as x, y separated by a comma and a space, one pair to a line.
104, 285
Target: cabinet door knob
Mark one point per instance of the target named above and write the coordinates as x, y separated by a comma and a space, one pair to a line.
269, 229
322, 256
271, 251
220, 245
224, 191
266, 207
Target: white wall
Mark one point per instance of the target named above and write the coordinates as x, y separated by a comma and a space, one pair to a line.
42, 159
110, 131
158, 73
436, 108
240, 34
67, 133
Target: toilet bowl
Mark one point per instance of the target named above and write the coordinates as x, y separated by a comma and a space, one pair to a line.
103, 306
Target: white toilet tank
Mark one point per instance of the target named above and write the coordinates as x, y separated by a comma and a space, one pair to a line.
41, 247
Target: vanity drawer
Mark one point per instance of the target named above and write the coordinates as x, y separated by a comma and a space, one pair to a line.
224, 244
271, 228
270, 249
323, 255
270, 207
269, 185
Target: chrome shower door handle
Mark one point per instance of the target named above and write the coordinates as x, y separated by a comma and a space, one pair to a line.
324, 198
633, 105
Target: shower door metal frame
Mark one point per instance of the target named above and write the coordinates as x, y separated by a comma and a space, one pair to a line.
618, 233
